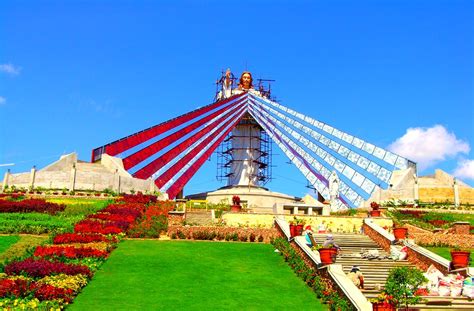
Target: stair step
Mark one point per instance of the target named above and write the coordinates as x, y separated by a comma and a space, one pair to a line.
376, 271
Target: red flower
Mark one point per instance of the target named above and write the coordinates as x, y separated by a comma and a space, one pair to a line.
15, 288
49, 292
68, 252
374, 205
67, 238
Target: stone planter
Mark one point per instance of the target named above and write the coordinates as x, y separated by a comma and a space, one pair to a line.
236, 208
293, 232
299, 229
400, 233
375, 213
460, 259
382, 306
327, 255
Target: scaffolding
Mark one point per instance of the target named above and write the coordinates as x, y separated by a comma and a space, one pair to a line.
263, 150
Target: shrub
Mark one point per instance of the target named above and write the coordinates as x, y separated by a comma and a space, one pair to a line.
402, 283
149, 228
252, 237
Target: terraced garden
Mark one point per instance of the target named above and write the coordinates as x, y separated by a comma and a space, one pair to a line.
51, 252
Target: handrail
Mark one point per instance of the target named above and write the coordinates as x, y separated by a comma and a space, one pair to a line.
429, 254
314, 256
369, 222
352, 292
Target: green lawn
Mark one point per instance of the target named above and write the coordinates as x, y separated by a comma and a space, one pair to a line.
187, 275
6, 241
15, 246
444, 252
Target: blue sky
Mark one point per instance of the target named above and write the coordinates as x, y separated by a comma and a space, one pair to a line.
75, 75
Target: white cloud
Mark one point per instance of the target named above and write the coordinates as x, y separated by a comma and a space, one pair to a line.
3, 100
428, 146
465, 169
10, 69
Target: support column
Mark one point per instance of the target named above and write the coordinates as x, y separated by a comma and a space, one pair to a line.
295, 210
117, 181
456, 193
72, 178
333, 190
326, 210
32, 177
6, 180
416, 188
152, 185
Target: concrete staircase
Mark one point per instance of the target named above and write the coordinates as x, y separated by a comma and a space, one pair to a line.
376, 271
199, 217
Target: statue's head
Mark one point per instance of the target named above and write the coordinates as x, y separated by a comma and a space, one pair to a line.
246, 80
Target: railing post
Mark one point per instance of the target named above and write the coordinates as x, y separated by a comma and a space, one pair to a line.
72, 180
32, 177
5, 180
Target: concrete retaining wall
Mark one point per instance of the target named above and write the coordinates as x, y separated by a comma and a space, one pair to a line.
68, 173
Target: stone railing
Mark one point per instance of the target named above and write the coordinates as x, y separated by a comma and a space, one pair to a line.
417, 255
423, 258
378, 234
333, 273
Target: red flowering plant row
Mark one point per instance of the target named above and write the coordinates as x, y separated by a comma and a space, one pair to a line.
20, 288
223, 233
68, 238
91, 226
112, 217
138, 198
30, 206
126, 209
69, 252
40, 268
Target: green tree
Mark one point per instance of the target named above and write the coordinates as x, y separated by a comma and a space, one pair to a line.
402, 284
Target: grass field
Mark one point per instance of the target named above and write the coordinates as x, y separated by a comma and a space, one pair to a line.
15, 246
187, 275
6, 241
444, 252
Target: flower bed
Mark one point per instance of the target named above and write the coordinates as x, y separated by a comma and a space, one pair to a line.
138, 198
430, 220
61, 287
30, 206
41, 268
55, 274
153, 222
67, 238
68, 252
222, 233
